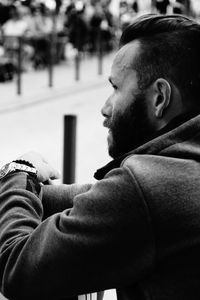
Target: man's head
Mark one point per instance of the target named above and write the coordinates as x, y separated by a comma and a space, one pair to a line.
155, 76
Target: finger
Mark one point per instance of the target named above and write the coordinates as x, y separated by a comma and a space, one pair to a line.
47, 182
54, 174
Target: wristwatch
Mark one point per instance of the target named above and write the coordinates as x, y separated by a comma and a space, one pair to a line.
14, 167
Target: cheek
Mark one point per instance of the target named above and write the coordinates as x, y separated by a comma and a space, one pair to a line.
115, 123
121, 105
118, 102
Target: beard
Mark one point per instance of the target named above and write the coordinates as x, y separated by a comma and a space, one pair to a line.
130, 129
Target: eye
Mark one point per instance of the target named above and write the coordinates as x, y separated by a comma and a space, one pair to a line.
114, 87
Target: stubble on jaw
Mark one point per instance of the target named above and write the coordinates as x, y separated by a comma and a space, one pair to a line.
130, 129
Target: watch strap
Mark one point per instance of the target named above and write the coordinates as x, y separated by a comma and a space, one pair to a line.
18, 167
26, 166
13, 167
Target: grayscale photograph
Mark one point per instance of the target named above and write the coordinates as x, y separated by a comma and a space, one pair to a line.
100, 149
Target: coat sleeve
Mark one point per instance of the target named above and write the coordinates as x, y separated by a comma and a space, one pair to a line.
104, 241
56, 198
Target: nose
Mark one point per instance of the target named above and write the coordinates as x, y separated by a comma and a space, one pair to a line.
106, 110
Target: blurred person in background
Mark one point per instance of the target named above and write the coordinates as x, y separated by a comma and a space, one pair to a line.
77, 25
128, 11
124, 12
7, 69
17, 26
135, 6
4, 13
137, 228
107, 28
179, 7
101, 26
46, 25
96, 21
42, 28
195, 8
162, 5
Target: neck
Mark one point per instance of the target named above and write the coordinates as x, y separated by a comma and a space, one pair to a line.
176, 121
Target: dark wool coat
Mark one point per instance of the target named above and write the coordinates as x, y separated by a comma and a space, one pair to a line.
137, 229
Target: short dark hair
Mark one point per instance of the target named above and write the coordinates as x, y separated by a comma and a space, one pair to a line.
170, 48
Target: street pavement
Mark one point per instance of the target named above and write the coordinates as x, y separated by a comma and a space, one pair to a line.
34, 120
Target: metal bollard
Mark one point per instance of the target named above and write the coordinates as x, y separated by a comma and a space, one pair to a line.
69, 149
77, 65
50, 63
69, 172
78, 53
100, 53
19, 66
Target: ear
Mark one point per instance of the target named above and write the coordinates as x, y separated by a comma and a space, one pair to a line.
162, 96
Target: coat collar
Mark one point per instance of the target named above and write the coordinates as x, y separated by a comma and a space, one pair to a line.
179, 129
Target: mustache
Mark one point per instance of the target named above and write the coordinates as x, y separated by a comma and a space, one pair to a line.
107, 123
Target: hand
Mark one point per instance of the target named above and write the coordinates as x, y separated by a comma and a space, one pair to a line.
45, 171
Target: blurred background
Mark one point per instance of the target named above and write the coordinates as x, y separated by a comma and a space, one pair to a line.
55, 58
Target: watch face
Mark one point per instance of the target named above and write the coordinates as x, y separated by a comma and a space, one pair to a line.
4, 170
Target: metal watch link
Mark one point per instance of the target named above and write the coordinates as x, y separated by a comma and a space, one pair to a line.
13, 167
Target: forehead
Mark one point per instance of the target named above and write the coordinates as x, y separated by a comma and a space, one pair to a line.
125, 57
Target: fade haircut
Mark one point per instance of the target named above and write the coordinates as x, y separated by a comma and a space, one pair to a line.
170, 49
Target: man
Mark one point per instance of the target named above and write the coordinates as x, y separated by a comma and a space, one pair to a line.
137, 229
